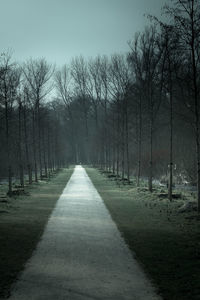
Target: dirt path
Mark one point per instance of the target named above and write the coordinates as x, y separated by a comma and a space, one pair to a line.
81, 254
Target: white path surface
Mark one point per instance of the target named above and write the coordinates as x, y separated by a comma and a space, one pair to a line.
81, 254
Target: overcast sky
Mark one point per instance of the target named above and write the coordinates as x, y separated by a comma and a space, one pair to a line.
61, 29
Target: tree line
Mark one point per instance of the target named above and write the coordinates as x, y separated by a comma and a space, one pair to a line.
31, 130
135, 114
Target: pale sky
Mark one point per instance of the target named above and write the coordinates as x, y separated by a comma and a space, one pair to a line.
61, 29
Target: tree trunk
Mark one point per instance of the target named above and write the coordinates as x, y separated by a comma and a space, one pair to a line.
118, 137
151, 151
21, 169
8, 149
123, 143
105, 137
113, 145
194, 67
49, 164
34, 147
127, 140
139, 142
29, 168
39, 138
197, 140
171, 139
44, 154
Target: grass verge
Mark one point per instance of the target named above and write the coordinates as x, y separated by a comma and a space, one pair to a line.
22, 222
166, 243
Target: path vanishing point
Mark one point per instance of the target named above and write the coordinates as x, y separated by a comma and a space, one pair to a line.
81, 255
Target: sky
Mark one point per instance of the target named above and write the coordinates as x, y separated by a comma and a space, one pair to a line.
62, 29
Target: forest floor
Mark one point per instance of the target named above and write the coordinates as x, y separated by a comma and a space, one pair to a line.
22, 222
165, 242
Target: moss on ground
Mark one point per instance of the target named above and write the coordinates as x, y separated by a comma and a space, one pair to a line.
165, 242
22, 222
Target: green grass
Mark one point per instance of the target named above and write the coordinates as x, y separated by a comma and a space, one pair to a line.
166, 243
22, 222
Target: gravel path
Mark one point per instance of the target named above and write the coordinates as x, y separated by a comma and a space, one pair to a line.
81, 254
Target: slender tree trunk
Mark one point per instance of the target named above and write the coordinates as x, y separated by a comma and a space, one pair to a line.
39, 138
118, 137
123, 142
197, 131
96, 117
87, 136
198, 165
8, 149
105, 137
113, 145
21, 169
113, 160
29, 168
44, 154
102, 154
171, 138
34, 146
139, 142
109, 154
96, 138
151, 148
56, 154
127, 140
49, 151
73, 137
196, 102
9, 180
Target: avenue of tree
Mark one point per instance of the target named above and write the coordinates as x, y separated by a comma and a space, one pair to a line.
135, 114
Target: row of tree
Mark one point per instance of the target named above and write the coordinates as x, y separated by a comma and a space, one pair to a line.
133, 114
139, 113
31, 132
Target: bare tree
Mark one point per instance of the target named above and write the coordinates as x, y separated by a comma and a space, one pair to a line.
171, 62
105, 95
26, 115
38, 74
9, 83
186, 22
63, 81
148, 55
119, 77
134, 59
79, 72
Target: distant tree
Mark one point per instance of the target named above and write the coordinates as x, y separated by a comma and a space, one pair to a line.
79, 72
95, 92
63, 81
